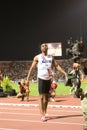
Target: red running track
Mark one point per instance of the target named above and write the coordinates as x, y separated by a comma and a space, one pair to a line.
16, 115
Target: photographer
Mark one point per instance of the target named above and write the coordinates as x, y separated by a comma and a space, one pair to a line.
24, 90
75, 50
78, 76
52, 91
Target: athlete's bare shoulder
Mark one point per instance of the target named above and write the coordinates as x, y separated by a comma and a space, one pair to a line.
36, 58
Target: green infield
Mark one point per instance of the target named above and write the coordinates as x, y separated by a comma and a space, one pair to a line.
60, 90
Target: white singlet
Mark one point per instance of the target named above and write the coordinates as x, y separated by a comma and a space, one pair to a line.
44, 66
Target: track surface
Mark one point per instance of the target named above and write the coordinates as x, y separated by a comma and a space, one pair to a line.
66, 114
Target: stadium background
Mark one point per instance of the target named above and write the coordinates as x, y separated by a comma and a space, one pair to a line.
25, 25
17, 70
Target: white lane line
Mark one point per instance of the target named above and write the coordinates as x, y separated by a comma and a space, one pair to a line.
33, 109
37, 121
36, 105
7, 129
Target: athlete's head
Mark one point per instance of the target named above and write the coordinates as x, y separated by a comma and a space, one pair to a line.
44, 48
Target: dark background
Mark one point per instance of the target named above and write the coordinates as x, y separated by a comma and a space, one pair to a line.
25, 25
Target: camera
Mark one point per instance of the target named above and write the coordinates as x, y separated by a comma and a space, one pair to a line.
19, 83
69, 79
75, 49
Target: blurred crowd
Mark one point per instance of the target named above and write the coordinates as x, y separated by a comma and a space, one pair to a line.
17, 70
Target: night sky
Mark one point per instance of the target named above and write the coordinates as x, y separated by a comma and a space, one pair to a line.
25, 25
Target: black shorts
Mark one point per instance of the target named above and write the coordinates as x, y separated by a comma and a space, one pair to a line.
43, 86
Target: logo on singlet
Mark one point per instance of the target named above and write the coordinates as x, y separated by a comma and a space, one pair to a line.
46, 61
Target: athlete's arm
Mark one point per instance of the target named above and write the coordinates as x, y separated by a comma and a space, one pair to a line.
58, 67
35, 60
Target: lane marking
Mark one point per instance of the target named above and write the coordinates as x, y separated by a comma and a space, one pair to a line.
26, 110
33, 109
48, 122
7, 129
36, 105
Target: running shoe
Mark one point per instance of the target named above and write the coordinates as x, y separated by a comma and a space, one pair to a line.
27, 99
48, 116
43, 118
52, 100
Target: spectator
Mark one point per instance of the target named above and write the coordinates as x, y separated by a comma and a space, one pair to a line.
1, 77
